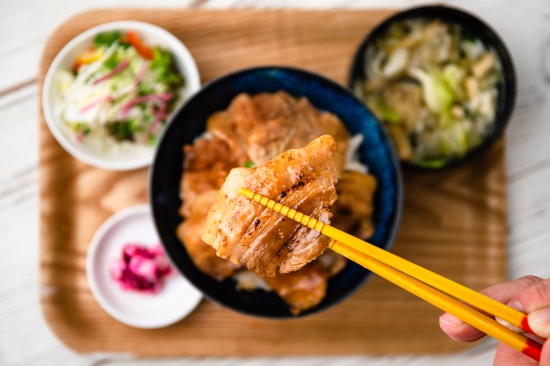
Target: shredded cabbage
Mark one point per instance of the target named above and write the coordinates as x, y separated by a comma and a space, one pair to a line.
115, 93
434, 84
436, 94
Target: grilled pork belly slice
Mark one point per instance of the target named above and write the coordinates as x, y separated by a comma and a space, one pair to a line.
354, 208
264, 125
244, 231
202, 254
302, 289
207, 164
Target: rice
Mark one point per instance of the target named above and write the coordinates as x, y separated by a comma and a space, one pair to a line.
352, 155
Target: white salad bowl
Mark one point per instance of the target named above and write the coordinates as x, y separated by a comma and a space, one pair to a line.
126, 155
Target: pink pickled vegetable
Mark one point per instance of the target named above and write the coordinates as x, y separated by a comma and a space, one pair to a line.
141, 73
163, 97
79, 136
141, 269
95, 103
118, 69
151, 97
161, 113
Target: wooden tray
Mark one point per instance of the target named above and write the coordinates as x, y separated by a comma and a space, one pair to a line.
454, 221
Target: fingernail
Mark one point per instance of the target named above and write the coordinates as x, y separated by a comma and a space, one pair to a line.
539, 321
512, 327
451, 320
516, 305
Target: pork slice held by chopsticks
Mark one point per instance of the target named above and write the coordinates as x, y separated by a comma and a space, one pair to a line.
244, 231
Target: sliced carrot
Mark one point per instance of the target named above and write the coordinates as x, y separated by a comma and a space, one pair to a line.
142, 49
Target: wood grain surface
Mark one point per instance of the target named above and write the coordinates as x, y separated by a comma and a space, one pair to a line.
454, 221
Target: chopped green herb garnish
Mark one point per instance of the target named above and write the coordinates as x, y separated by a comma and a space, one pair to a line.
80, 127
152, 140
163, 64
249, 164
112, 61
122, 131
136, 125
144, 89
106, 38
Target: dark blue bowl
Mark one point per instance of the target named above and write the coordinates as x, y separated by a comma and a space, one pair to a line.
188, 121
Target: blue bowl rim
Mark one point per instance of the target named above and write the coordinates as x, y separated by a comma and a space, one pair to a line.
394, 158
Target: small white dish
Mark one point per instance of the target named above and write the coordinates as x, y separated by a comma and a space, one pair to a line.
175, 301
127, 157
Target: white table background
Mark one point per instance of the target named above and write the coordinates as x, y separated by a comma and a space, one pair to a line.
25, 339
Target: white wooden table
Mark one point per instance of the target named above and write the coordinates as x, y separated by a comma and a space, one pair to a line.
24, 25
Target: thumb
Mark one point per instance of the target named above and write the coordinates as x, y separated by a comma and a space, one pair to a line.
539, 321
535, 301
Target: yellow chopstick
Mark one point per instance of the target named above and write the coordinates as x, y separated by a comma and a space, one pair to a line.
403, 273
473, 317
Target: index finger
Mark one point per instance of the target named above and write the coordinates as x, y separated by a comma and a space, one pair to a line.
503, 292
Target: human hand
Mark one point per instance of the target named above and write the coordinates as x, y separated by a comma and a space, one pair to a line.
530, 295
